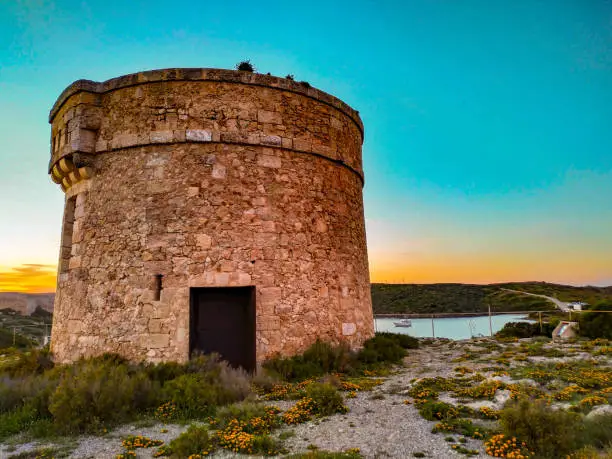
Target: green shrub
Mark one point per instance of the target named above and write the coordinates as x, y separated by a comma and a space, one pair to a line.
195, 440
588, 452
13, 422
405, 341
321, 358
45, 315
317, 360
597, 324
165, 371
293, 368
107, 389
242, 411
265, 381
15, 341
193, 395
97, 392
435, 411
34, 361
265, 445
216, 371
107, 358
461, 426
12, 394
203, 363
329, 358
597, 431
548, 432
327, 399
33, 391
383, 348
43, 428
197, 395
245, 66
235, 382
526, 329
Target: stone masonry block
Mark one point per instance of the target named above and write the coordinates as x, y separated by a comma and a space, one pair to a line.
83, 140
198, 135
161, 136
273, 140
269, 161
218, 171
348, 329
204, 241
155, 340
266, 116
268, 322
270, 295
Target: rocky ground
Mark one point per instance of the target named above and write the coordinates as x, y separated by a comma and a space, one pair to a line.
384, 422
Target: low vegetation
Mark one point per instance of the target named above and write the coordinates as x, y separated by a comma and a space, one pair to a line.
95, 394
322, 358
567, 293
597, 324
450, 298
466, 298
516, 399
9, 339
41, 400
245, 66
553, 392
526, 329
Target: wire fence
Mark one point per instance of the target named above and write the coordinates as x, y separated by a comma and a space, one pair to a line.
39, 333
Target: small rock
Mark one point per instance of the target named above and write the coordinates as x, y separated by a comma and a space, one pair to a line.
600, 411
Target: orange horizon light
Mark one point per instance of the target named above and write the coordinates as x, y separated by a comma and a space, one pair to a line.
28, 278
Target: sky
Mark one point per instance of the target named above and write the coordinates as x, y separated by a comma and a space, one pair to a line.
488, 125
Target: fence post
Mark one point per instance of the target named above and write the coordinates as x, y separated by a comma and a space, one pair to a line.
433, 330
490, 324
540, 316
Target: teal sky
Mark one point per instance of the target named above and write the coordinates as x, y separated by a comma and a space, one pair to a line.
488, 151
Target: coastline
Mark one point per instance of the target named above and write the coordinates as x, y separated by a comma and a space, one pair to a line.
447, 315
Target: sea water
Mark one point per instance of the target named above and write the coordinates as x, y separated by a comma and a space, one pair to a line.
452, 327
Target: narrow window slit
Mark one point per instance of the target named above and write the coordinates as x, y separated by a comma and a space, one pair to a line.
157, 287
67, 228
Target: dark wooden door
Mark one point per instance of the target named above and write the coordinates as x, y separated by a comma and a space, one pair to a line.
223, 321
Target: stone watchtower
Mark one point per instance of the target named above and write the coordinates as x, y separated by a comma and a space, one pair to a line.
210, 210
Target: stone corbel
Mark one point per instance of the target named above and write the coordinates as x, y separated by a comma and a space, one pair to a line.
72, 169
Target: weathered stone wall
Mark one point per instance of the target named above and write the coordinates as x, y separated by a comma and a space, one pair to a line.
210, 178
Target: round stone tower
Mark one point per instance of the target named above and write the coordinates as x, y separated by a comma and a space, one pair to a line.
207, 210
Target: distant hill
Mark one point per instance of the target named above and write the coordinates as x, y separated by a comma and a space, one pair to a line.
567, 293
455, 298
26, 303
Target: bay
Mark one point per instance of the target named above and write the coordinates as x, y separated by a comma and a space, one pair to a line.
450, 327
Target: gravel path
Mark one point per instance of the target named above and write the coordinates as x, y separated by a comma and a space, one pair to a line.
379, 428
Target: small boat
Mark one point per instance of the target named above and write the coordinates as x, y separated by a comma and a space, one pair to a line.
403, 323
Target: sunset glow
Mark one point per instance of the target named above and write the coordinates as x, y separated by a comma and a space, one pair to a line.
487, 152
28, 278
